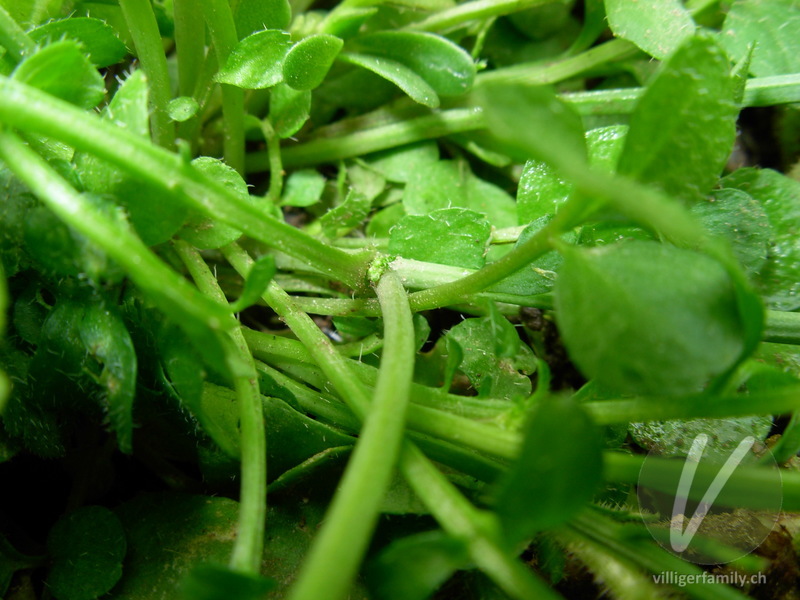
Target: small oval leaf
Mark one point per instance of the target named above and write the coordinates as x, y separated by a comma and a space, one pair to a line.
257, 61
309, 60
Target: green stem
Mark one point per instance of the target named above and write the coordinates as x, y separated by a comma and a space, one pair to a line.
537, 73
741, 489
162, 285
29, 109
782, 327
331, 150
219, 19
13, 38
480, 531
249, 545
150, 50
354, 511
275, 162
759, 91
763, 91
445, 502
460, 290
190, 50
771, 402
471, 11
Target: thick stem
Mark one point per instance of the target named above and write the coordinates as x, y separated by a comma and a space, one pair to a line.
782, 327
150, 51
249, 545
354, 511
190, 50
331, 150
219, 19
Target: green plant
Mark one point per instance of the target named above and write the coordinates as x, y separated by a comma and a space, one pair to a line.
438, 184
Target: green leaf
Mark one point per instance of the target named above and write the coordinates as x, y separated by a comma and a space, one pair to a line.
309, 61
288, 109
303, 188
414, 567
62, 70
182, 108
168, 534
215, 582
87, 548
773, 25
258, 279
257, 61
349, 214
541, 191
107, 340
153, 213
648, 318
448, 183
557, 472
402, 76
449, 236
202, 231
733, 215
490, 370
531, 122
675, 438
401, 164
779, 196
668, 145
97, 38
445, 66
657, 26
129, 107
256, 15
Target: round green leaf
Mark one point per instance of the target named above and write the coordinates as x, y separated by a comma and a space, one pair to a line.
648, 318
182, 108
97, 38
87, 548
62, 70
449, 236
445, 66
201, 230
309, 60
735, 216
257, 61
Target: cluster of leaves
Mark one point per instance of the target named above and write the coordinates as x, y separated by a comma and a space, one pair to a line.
519, 285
